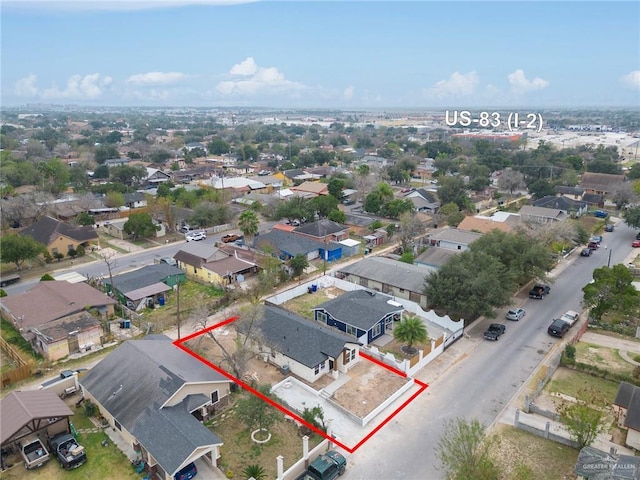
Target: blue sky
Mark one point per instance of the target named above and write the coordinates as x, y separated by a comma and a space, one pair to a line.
416, 54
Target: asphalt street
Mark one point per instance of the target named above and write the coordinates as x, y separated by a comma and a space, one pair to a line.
482, 383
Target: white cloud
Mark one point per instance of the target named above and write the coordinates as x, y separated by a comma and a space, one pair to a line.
26, 87
348, 92
632, 79
254, 79
79, 87
156, 78
246, 67
458, 84
520, 84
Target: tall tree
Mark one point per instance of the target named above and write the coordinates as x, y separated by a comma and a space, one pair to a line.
511, 180
612, 292
254, 412
632, 216
105, 152
17, 249
298, 264
464, 451
140, 225
409, 228
453, 190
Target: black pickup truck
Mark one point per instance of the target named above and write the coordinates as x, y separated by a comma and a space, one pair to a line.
539, 291
68, 451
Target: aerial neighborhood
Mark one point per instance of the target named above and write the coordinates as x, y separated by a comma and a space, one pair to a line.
227, 293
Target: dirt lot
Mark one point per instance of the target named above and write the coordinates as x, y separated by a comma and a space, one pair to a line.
604, 357
303, 304
369, 386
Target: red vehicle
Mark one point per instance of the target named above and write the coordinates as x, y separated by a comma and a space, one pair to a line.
635, 243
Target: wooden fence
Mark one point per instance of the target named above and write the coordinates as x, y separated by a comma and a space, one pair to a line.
22, 371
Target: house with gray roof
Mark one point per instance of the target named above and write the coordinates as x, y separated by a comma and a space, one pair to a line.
594, 464
453, 239
424, 200
534, 214
155, 396
389, 276
193, 255
286, 245
363, 314
150, 281
566, 204
626, 407
435, 257
306, 348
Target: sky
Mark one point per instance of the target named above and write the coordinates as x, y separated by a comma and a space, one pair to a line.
324, 54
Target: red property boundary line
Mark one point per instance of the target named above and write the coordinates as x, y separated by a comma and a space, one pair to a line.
423, 386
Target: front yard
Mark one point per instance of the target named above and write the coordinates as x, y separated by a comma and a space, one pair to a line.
239, 450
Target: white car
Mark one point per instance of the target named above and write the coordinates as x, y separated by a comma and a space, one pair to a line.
515, 314
195, 236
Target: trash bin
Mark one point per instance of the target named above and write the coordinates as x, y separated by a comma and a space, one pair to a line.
161, 300
314, 288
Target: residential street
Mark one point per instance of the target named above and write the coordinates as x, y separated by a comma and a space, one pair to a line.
484, 379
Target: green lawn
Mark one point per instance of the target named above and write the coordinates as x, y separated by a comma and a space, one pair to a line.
544, 459
571, 382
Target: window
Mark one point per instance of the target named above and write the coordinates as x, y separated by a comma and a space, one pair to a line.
349, 356
351, 330
377, 329
214, 397
117, 424
70, 247
54, 250
322, 317
318, 367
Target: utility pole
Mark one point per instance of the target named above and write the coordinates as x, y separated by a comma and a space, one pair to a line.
178, 304
609, 262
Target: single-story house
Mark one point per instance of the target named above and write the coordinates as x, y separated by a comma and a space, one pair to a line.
116, 162
155, 396
193, 255
32, 412
135, 200
389, 276
453, 239
423, 200
435, 257
601, 183
575, 193
483, 225
312, 189
60, 299
115, 228
228, 270
60, 237
531, 213
323, 231
148, 282
286, 245
568, 205
76, 333
304, 347
626, 407
363, 314
156, 177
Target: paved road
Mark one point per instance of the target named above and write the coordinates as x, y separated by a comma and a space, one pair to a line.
482, 383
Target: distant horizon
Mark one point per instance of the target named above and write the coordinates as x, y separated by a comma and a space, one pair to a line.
348, 55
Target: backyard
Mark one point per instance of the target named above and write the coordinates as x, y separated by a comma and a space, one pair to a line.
303, 304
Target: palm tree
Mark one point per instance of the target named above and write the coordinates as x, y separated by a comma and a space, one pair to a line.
411, 330
248, 223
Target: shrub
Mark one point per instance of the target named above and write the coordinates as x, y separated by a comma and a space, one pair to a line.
570, 352
90, 409
80, 251
46, 278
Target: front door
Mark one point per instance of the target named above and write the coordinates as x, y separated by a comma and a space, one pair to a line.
331, 364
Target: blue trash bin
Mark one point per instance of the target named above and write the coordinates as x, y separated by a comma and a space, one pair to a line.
314, 288
161, 300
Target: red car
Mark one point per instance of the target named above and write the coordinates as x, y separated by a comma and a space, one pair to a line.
635, 243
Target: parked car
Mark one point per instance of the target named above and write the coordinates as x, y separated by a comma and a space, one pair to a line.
33, 453
231, 237
635, 243
638, 236
570, 316
196, 236
169, 261
539, 291
329, 466
597, 239
515, 314
67, 450
601, 214
593, 245
9, 279
609, 227
187, 473
558, 328
586, 252
494, 331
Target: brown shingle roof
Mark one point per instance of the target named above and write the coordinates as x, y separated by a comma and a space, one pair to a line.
52, 300
482, 225
19, 408
47, 228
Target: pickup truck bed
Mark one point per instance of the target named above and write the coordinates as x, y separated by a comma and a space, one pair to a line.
539, 291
